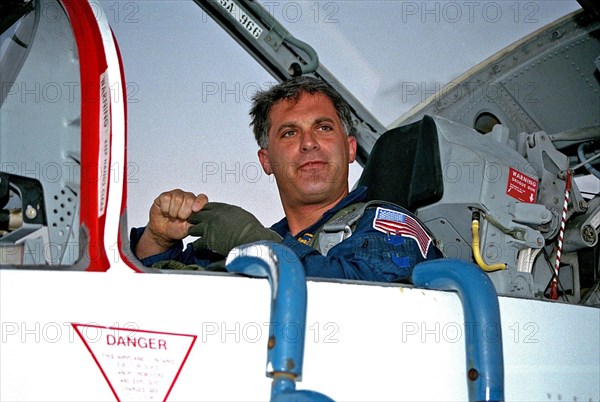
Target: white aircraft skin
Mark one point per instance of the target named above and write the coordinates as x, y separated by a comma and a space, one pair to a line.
118, 334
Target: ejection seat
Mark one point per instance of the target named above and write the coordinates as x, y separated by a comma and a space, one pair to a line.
404, 166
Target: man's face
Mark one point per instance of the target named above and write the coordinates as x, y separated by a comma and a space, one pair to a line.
308, 151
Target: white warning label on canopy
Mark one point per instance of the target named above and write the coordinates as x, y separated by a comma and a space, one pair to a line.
138, 365
104, 146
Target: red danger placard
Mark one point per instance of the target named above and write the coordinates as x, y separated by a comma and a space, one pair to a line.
521, 186
138, 365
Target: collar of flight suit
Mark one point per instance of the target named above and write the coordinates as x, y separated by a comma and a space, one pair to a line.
306, 235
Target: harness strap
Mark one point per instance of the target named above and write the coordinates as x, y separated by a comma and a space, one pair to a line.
340, 227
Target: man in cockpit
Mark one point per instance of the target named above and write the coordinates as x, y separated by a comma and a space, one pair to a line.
303, 128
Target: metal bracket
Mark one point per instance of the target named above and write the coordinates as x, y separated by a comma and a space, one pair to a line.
274, 39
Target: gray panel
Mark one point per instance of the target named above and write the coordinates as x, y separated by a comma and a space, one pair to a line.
40, 129
560, 88
547, 82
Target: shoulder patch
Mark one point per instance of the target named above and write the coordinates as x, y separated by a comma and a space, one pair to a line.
400, 224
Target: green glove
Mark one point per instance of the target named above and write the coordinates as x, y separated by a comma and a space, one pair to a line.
222, 227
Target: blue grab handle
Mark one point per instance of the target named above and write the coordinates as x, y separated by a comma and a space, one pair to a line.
485, 366
287, 327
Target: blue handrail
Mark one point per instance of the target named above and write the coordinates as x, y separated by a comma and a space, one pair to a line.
287, 328
485, 366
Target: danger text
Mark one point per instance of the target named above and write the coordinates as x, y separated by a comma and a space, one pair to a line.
136, 342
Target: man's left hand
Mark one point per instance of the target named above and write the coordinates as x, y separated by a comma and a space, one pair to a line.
222, 227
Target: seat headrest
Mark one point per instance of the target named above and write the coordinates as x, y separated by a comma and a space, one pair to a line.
404, 166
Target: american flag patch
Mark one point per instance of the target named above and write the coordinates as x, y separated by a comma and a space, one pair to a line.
397, 223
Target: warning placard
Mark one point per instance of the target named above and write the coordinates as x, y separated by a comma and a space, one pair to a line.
521, 186
138, 365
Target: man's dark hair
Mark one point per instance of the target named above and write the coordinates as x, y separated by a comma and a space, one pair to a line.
291, 90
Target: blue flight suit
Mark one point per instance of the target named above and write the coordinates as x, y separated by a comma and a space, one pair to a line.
370, 254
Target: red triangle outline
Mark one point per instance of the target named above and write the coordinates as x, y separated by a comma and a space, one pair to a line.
76, 325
